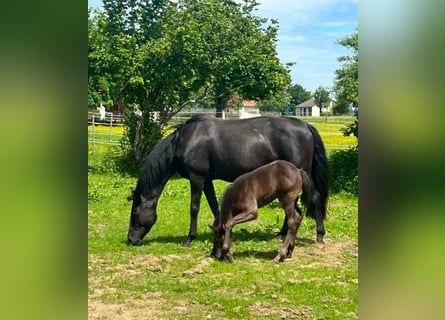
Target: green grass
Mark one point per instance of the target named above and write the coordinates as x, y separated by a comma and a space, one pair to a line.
163, 280
320, 281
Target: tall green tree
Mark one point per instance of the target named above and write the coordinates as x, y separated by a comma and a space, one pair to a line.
298, 94
321, 97
344, 162
346, 79
275, 103
162, 56
240, 50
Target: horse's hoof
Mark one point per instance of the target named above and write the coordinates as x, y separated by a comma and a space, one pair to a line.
277, 260
187, 243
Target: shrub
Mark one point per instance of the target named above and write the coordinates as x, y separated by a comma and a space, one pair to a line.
344, 171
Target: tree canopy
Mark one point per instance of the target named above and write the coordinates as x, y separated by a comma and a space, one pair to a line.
298, 94
321, 97
346, 80
346, 77
161, 56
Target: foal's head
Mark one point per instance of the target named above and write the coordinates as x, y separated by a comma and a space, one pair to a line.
218, 242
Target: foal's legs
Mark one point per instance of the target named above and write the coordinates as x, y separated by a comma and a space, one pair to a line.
280, 235
293, 218
244, 216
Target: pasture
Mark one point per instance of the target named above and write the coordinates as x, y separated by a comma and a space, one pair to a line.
163, 280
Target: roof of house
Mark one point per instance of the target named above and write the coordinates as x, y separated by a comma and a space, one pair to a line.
249, 103
307, 103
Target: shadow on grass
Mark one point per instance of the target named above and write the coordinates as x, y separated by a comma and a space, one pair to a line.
238, 236
270, 254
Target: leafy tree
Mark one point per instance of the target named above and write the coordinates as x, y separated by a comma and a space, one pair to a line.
321, 97
98, 82
341, 107
344, 163
346, 79
239, 51
344, 171
276, 103
162, 56
298, 94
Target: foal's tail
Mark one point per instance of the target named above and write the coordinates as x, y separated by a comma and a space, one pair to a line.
307, 188
320, 177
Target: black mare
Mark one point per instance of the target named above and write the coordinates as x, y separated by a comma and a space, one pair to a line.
207, 148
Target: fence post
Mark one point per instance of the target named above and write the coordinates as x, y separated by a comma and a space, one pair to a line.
92, 133
111, 130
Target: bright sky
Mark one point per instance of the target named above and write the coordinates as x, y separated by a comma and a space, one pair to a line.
307, 35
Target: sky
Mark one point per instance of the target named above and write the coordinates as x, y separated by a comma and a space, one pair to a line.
308, 31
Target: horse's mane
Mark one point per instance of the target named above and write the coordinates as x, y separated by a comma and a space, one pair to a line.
158, 165
194, 119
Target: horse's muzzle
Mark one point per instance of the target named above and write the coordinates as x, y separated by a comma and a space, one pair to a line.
135, 242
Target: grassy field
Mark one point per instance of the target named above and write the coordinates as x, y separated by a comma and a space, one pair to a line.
163, 280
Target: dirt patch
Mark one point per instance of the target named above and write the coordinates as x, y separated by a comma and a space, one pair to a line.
149, 308
105, 301
331, 253
200, 267
266, 310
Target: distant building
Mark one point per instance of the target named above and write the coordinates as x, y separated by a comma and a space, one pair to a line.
310, 109
249, 109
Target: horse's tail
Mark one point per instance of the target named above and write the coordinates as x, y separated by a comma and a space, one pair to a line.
320, 176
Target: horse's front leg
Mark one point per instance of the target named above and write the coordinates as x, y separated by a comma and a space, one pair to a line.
210, 194
209, 191
196, 187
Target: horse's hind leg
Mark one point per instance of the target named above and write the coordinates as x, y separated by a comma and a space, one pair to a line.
316, 207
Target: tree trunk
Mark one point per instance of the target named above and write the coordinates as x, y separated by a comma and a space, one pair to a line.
137, 144
221, 103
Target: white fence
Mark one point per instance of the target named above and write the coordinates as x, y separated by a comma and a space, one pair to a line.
100, 129
101, 124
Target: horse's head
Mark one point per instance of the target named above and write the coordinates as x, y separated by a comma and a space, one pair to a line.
143, 217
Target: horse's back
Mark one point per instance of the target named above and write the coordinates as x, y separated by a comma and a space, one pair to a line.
225, 149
